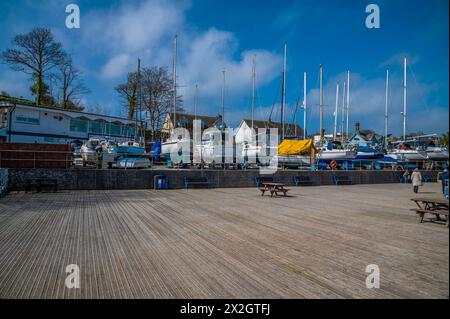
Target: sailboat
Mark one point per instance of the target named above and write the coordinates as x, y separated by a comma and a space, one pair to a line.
326, 150
174, 144
437, 153
404, 153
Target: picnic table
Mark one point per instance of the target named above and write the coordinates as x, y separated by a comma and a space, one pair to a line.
273, 188
433, 206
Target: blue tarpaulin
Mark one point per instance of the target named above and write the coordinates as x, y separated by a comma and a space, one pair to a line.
156, 151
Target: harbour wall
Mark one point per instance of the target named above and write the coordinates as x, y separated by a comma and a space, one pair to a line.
102, 179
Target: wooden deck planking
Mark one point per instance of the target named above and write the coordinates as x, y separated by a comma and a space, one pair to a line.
222, 243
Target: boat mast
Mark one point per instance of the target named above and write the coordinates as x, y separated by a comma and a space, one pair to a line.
174, 81
348, 102
304, 105
343, 112
386, 108
321, 103
404, 98
223, 99
336, 111
283, 93
195, 101
138, 102
253, 87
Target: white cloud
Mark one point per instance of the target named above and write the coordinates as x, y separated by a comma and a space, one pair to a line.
131, 27
212, 52
367, 104
146, 30
116, 66
397, 59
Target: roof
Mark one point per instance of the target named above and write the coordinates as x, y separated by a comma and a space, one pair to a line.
207, 120
289, 127
4, 100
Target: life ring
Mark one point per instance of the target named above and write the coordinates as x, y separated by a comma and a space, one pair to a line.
333, 164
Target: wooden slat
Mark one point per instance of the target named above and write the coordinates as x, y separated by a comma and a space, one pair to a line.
222, 243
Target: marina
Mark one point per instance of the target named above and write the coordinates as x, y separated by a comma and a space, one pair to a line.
187, 244
208, 152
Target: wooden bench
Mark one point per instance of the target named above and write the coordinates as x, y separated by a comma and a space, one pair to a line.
197, 181
342, 180
437, 213
41, 184
303, 180
274, 191
263, 179
428, 179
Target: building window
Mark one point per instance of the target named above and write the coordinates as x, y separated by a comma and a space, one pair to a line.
114, 129
27, 120
3, 118
51, 140
77, 125
96, 127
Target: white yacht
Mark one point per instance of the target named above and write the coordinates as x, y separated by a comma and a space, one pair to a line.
328, 153
132, 155
98, 152
437, 153
403, 154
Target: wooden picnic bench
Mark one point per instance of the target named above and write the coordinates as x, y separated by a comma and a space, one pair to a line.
342, 180
273, 188
303, 180
259, 180
40, 184
433, 206
197, 181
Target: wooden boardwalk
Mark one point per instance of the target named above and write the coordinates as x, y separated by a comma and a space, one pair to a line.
222, 243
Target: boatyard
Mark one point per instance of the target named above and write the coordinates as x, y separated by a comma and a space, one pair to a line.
204, 153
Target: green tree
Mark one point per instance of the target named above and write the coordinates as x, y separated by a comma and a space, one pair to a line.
443, 140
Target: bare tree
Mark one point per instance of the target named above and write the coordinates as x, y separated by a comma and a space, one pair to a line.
128, 93
157, 97
70, 85
156, 92
37, 54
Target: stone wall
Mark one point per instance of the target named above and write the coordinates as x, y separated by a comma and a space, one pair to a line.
3, 181
73, 179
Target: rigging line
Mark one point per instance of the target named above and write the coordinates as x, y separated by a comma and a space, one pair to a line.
418, 86
311, 111
297, 100
274, 102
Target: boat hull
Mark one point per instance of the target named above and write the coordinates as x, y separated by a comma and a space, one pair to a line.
133, 162
337, 155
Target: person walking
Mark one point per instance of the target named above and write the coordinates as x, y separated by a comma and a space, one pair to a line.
416, 179
444, 176
406, 176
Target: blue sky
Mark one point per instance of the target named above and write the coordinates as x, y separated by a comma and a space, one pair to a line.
217, 35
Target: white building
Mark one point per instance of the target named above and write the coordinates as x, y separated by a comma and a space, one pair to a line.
28, 123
